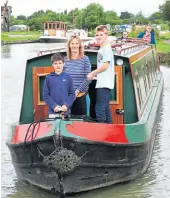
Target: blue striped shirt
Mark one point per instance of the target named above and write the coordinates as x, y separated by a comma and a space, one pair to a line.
78, 70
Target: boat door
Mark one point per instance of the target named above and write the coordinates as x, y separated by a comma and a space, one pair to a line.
52, 29
116, 102
40, 108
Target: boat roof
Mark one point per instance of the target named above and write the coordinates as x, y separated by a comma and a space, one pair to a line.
126, 49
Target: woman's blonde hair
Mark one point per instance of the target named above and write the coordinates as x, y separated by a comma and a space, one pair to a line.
81, 49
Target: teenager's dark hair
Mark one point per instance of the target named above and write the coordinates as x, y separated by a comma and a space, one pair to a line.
57, 57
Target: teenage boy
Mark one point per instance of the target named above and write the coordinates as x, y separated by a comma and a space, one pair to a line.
105, 75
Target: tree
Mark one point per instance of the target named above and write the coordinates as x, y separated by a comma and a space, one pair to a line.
141, 19
155, 16
110, 17
126, 15
93, 16
35, 24
165, 10
13, 21
21, 17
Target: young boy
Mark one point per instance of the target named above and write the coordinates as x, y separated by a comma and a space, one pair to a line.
58, 90
105, 75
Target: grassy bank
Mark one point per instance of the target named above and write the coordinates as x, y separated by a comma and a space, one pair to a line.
162, 46
19, 36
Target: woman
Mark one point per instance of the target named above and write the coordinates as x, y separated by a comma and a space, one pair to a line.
148, 35
78, 66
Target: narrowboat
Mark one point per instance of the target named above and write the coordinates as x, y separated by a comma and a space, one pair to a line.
56, 32
79, 154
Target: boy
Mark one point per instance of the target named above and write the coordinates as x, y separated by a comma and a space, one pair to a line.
58, 90
105, 75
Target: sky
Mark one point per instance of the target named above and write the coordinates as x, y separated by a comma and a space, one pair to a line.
28, 7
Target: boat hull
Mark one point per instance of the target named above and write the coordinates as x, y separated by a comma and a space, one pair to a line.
53, 39
101, 165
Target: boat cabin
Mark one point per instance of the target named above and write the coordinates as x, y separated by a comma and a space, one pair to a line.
136, 69
55, 28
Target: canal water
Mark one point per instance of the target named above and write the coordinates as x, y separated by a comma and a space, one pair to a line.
154, 183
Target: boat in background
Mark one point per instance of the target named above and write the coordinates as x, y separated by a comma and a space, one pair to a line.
56, 32
79, 154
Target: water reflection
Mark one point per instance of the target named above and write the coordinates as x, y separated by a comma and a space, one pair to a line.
6, 51
155, 183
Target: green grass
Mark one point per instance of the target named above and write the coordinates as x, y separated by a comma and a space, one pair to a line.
25, 36
165, 36
161, 46
22, 33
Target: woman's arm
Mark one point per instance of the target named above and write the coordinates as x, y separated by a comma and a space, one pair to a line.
71, 94
83, 87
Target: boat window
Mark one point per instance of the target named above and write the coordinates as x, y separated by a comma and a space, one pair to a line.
58, 25
41, 86
114, 91
144, 77
46, 26
54, 25
138, 88
50, 26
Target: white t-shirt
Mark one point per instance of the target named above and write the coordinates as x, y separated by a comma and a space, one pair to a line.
105, 79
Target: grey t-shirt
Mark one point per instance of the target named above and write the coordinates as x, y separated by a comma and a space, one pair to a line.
105, 79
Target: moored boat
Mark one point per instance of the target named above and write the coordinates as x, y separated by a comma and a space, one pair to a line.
79, 154
56, 32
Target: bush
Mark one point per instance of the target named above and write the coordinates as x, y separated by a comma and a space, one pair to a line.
164, 26
165, 36
164, 58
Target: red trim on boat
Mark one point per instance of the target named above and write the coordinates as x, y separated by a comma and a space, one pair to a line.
20, 131
98, 131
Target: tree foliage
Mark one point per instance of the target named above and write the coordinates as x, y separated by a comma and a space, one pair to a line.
165, 10
91, 16
155, 16
21, 17
126, 15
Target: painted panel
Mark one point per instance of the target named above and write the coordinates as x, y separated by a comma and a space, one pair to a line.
144, 71
141, 131
117, 103
40, 108
98, 132
41, 129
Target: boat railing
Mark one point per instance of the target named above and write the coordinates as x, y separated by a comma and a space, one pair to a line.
131, 49
136, 44
119, 48
49, 51
123, 48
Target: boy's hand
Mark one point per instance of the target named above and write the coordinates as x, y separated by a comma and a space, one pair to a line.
64, 108
57, 108
90, 76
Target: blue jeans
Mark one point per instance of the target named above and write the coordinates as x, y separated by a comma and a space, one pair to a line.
103, 112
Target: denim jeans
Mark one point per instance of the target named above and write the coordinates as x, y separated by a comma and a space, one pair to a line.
103, 112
